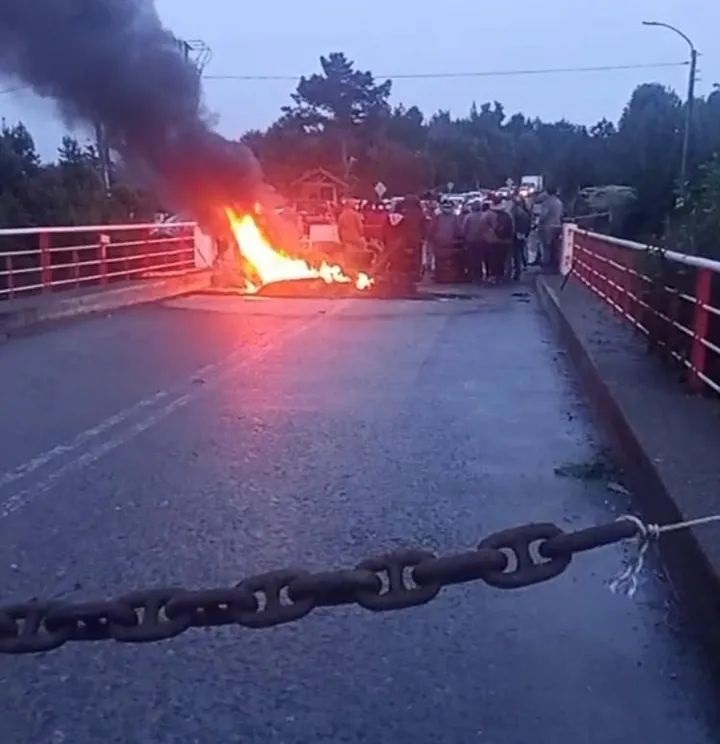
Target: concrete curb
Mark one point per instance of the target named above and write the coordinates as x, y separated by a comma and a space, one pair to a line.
21, 319
695, 580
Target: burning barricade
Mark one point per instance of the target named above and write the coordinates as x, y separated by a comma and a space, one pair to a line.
252, 263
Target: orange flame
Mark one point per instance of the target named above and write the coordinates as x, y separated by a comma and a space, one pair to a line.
272, 265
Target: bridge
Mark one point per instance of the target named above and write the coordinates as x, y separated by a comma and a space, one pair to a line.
172, 435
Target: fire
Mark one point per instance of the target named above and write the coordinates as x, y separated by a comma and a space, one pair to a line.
272, 265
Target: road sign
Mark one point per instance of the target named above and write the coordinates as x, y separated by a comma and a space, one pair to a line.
380, 189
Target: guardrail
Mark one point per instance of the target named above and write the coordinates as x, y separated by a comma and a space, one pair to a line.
37, 260
671, 298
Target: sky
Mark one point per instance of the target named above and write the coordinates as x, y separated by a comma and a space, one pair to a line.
287, 37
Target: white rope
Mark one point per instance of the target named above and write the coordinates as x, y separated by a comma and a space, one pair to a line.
660, 529
627, 582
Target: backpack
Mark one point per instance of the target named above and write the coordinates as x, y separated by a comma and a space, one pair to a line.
503, 226
522, 221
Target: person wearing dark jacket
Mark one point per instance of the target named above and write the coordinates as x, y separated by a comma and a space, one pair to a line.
477, 232
416, 227
446, 239
503, 234
405, 234
523, 222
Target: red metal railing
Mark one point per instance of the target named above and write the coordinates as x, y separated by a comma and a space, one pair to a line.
36, 260
671, 298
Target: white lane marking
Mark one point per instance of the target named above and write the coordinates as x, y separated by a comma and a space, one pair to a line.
29, 467
224, 372
22, 498
81, 439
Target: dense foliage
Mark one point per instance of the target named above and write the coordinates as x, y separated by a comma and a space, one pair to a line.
343, 121
67, 192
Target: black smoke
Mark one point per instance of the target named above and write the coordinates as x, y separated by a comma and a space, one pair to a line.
113, 62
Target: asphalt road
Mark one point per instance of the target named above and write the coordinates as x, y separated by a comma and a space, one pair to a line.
201, 440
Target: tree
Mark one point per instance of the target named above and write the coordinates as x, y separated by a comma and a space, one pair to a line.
706, 131
648, 144
69, 191
407, 126
699, 229
401, 169
19, 163
80, 184
567, 156
286, 151
341, 118
338, 104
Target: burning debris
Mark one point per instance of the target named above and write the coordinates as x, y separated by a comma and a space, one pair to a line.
270, 265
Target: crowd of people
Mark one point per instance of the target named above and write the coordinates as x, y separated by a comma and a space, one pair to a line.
488, 240
482, 239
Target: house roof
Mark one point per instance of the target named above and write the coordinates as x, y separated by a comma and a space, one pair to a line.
320, 174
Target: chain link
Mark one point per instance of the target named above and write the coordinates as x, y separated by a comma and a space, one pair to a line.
29, 634
510, 559
527, 569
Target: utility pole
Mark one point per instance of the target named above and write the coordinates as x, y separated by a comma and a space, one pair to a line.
689, 107
198, 54
688, 122
103, 153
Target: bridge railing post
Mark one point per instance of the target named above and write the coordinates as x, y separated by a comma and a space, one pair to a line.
103, 257
10, 281
45, 261
701, 325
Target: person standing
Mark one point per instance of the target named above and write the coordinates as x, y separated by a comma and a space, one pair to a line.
523, 222
374, 219
550, 227
445, 237
350, 227
502, 241
414, 229
478, 232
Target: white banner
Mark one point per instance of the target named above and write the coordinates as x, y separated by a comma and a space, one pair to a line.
205, 249
568, 240
324, 234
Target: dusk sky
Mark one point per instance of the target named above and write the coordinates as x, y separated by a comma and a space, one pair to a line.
286, 37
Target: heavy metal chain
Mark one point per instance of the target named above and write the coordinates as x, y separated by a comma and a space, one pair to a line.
511, 559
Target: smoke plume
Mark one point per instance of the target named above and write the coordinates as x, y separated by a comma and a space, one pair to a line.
113, 62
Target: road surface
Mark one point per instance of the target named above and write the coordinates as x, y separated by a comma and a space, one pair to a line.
210, 437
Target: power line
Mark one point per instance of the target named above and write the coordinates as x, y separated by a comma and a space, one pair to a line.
439, 75
486, 73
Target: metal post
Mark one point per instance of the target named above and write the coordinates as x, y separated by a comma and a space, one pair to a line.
103, 255
701, 324
76, 266
689, 106
10, 278
103, 153
45, 261
688, 124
